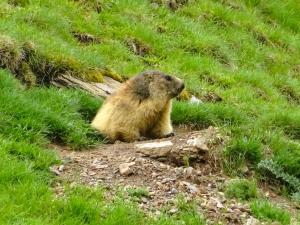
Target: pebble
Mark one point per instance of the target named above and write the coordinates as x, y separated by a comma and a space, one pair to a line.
126, 169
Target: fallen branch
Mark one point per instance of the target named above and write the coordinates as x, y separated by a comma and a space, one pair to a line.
104, 89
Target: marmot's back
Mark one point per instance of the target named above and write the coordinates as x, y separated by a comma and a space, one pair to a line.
141, 107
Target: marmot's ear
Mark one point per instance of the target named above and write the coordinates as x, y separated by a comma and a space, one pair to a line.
141, 87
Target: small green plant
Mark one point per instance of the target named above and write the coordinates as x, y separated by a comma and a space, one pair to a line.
244, 149
264, 210
187, 212
269, 166
241, 189
296, 197
138, 192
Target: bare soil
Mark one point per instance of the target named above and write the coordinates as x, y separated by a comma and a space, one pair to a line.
185, 167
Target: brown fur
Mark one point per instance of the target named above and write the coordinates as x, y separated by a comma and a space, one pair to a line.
140, 108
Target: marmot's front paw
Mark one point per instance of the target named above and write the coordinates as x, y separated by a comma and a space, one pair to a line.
170, 135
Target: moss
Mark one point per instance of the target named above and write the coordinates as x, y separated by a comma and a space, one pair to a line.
33, 68
94, 76
21, 3
10, 55
28, 76
112, 74
185, 95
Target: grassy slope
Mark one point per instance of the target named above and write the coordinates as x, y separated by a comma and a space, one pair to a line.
245, 51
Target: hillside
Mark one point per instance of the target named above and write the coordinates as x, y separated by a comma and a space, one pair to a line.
241, 58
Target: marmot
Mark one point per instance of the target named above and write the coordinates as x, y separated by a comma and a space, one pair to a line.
140, 109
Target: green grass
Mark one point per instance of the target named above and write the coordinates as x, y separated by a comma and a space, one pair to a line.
38, 115
264, 210
246, 52
241, 189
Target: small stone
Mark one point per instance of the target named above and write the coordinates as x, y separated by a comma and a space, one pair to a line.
153, 175
192, 188
61, 168
245, 169
54, 170
189, 171
125, 168
92, 173
195, 100
167, 180
199, 143
173, 191
144, 200
173, 210
252, 221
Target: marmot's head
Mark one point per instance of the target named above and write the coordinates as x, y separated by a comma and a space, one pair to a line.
156, 84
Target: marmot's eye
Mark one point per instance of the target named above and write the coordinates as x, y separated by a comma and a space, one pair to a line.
168, 78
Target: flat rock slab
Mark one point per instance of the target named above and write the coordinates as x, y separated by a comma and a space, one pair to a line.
160, 144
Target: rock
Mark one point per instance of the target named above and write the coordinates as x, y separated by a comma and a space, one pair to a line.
100, 166
155, 152
125, 168
198, 142
54, 170
167, 180
173, 210
191, 187
195, 100
252, 221
144, 200
173, 191
155, 144
92, 173
61, 168
189, 171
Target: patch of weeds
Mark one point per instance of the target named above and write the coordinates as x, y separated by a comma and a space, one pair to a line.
296, 197
91, 5
86, 38
289, 93
138, 47
171, 4
273, 169
241, 189
288, 120
21, 3
188, 212
264, 210
215, 80
243, 149
138, 192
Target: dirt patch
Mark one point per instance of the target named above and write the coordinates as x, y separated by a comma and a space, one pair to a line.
86, 38
138, 47
289, 93
171, 4
151, 173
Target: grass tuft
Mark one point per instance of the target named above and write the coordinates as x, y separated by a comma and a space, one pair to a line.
241, 189
266, 211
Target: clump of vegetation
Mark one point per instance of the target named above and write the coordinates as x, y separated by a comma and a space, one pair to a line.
274, 170
138, 192
242, 189
264, 210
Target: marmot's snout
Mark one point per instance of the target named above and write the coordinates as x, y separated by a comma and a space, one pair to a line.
178, 87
